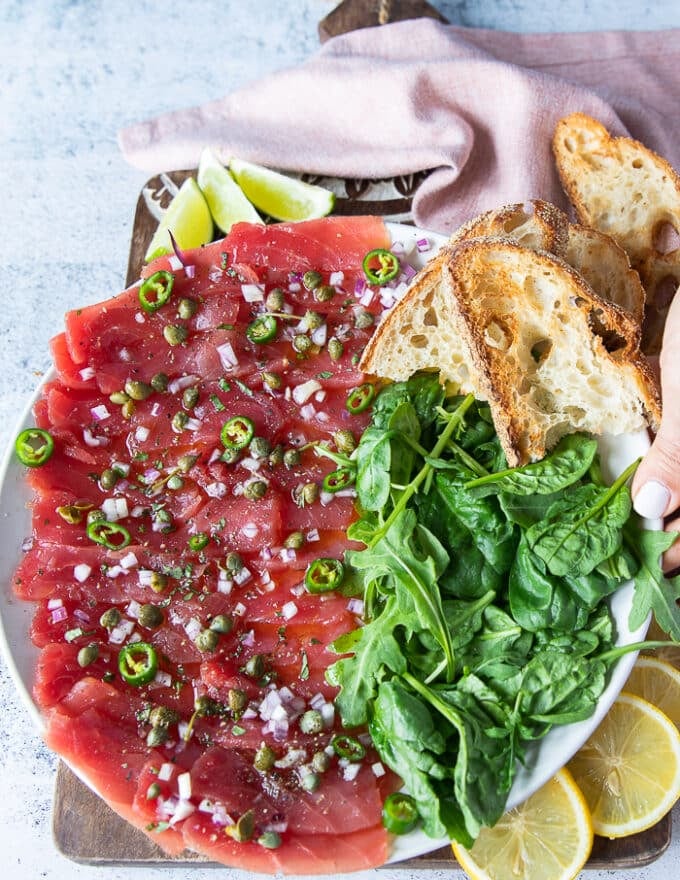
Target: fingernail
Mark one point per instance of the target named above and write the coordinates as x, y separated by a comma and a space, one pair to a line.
652, 500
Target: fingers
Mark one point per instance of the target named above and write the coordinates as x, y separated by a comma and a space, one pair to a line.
656, 487
671, 558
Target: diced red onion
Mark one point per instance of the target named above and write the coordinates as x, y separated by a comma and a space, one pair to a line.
206, 806
302, 392
359, 287
292, 758
140, 317
58, 615
155, 409
322, 416
120, 632
181, 383
317, 701
307, 411
100, 413
227, 355
216, 490
90, 440
289, 610
294, 287
175, 263
251, 464
190, 271
249, 639
133, 609
266, 553
367, 297
162, 678
409, 271
249, 530
239, 609
350, 773
328, 714
224, 583
288, 554
298, 590
423, 245
397, 248
184, 786
150, 475
252, 292
320, 335
87, 373
166, 771
336, 278
326, 497
114, 570
356, 606
82, 615
145, 577
142, 433
313, 535
124, 355
192, 627
214, 456
129, 560
114, 509
193, 424
183, 809
54, 603
81, 572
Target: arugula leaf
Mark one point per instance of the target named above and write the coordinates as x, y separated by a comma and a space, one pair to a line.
652, 590
373, 459
566, 464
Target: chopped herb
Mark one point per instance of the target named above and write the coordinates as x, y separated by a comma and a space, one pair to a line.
325, 374
304, 667
243, 387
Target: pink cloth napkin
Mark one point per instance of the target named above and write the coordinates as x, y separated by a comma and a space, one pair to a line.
478, 106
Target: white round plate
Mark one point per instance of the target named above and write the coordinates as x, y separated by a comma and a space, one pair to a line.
543, 758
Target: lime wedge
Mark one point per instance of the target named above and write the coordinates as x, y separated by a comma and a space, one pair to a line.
279, 196
225, 198
187, 217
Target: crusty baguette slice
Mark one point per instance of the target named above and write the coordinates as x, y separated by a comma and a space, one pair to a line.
542, 226
619, 186
522, 330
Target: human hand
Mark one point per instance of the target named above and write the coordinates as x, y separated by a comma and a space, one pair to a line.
656, 486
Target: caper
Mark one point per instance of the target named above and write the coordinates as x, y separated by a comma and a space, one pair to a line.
264, 758
294, 541
163, 716
175, 482
335, 349
363, 320
179, 421
157, 736
110, 618
345, 441
324, 293
159, 382
313, 320
138, 390
275, 457
175, 334
301, 343
153, 791
255, 666
230, 456
163, 519
207, 640
187, 308
255, 490
222, 624
108, 478
190, 397
260, 447
311, 721
320, 762
127, 410
237, 700
205, 705
272, 380
71, 513
275, 300
308, 494
186, 462
311, 279
198, 541
88, 655
310, 781
150, 616
291, 457
244, 828
270, 839
158, 581
233, 562
119, 398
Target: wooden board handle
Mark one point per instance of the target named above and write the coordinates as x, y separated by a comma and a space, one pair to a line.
351, 15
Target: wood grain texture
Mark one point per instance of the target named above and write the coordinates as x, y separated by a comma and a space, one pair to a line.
354, 14
87, 831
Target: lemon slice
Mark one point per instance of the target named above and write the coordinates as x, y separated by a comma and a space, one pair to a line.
187, 217
629, 770
225, 198
657, 682
671, 653
548, 837
280, 196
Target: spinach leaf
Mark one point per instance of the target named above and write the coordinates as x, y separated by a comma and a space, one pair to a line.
423, 391
373, 460
525, 510
566, 464
652, 590
583, 528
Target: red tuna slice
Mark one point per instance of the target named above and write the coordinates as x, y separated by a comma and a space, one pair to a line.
300, 855
332, 243
242, 524
71, 374
57, 672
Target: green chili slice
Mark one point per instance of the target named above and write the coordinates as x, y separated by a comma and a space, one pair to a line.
324, 575
110, 534
262, 329
348, 747
380, 266
34, 447
339, 479
400, 813
155, 290
138, 663
360, 398
237, 432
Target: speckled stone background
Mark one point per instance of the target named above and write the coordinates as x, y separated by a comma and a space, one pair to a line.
72, 72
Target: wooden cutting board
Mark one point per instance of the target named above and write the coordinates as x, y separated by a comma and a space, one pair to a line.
85, 829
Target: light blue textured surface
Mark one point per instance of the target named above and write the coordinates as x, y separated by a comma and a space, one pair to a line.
71, 74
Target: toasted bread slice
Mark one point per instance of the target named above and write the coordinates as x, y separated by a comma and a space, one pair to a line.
541, 226
619, 186
522, 330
